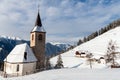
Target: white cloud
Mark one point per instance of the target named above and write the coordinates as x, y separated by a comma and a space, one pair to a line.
64, 20
52, 12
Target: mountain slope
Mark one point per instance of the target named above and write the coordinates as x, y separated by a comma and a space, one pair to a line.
8, 43
97, 46
52, 49
63, 46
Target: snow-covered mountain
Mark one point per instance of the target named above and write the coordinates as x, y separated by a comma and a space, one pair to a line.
52, 49
63, 46
8, 43
97, 46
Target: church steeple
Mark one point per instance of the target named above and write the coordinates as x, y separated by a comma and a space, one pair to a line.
37, 42
38, 24
38, 20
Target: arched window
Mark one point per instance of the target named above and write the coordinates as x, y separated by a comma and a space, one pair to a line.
32, 37
40, 37
17, 67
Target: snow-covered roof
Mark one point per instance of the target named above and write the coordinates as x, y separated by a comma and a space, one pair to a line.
21, 53
38, 29
38, 25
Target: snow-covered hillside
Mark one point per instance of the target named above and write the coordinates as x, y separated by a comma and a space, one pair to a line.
97, 46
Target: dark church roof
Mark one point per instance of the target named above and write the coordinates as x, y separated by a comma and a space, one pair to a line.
38, 21
38, 25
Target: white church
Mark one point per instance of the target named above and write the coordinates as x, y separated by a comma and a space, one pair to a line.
25, 59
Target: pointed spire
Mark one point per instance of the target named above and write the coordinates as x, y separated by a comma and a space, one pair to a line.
38, 20
38, 24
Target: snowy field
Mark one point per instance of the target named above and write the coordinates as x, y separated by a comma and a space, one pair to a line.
72, 74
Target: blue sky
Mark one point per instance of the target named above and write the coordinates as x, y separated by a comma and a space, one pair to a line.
63, 20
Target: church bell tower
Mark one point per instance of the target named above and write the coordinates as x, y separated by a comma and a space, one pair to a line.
37, 42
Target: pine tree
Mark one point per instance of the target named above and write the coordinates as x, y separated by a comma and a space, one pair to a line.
59, 62
79, 42
84, 40
48, 65
96, 33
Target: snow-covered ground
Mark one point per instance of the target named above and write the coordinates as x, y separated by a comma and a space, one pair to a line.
72, 74
77, 68
97, 46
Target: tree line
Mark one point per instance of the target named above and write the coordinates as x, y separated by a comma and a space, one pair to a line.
110, 26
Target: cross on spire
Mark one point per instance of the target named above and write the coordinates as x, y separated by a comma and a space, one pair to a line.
38, 7
38, 19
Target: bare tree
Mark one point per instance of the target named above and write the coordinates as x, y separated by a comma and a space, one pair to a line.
89, 60
111, 51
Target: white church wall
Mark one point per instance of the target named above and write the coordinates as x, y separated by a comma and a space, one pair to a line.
11, 68
29, 68
24, 68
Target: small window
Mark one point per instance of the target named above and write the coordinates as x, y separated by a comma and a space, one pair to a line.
17, 67
40, 37
32, 37
25, 55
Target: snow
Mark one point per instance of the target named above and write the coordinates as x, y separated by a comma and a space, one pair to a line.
97, 46
8, 37
72, 74
63, 46
77, 68
54, 43
38, 29
17, 54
